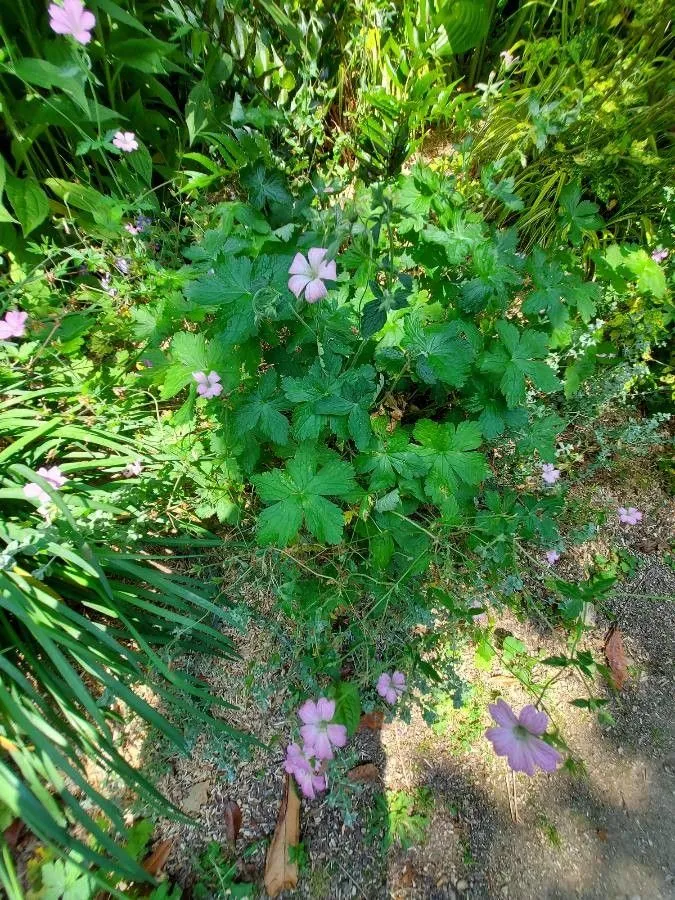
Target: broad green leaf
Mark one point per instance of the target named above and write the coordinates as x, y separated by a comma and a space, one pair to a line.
577, 216
265, 187
518, 358
69, 78
389, 457
262, 410
441, 352
347, 705
448, 450
299, 494
462, 25
198, 110
28, 201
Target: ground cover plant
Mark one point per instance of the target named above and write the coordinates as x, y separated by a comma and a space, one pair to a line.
382, 394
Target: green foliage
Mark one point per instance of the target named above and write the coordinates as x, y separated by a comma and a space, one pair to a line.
406, 817
216, 874
379, 445
77, 597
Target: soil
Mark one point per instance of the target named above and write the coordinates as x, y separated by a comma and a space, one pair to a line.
602, 829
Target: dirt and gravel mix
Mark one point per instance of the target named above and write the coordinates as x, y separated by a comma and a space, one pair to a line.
602, 832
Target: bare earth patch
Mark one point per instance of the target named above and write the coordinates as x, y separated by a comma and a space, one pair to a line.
605, 833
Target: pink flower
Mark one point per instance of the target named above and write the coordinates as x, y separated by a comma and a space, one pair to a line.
35, 492
125, 140
319, 735
13, 324
54, 476
552, 556
549, 473
208, 385
518, 739
72, 18
304, 771
659, 255
133, 469
307, 274
630, 516
131, 228
391, 686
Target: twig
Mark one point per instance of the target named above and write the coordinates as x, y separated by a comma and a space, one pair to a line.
511, 793
352, 879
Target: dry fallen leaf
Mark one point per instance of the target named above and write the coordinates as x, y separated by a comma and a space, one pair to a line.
280, 873
616, 657
197, 797
155, 862
232, 816
13, 833
366, 772
373, 720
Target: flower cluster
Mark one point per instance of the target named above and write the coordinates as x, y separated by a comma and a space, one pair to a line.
320, 735
143, 223
552, 557
518, 738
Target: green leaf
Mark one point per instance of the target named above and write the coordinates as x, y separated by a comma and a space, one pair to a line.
389, 457
556, 290
541, 436
280, 523
262, 411
189, 349
448, 450
324, 397
462, 25
299, 493
146, 54
484, 655
29, 202
577, 216
265, 187
119, 15
518, 358
68, 78
441, 352
347, 706
198, 109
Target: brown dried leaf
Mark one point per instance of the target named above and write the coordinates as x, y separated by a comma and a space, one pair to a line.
373, 720
232, 815
280, 873
197, 797
155, 862
616, 657
12, 834
368, 772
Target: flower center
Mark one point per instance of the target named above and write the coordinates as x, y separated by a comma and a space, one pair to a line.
521, 732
